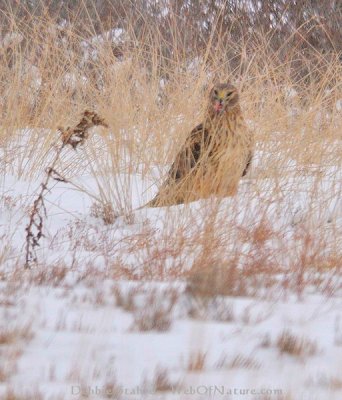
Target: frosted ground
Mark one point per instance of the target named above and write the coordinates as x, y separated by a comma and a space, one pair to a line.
108, 312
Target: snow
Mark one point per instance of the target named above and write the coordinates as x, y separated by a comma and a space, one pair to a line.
97, 43
74, 334
11, 39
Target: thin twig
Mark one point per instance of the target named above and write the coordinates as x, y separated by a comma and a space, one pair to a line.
70, 136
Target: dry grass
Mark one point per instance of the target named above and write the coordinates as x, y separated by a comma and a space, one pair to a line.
11, 334
162, 381
151, 96
156, 312
333, 382
215, 308
150, 101
288, 343
239, 361
105, 212
125, 300
213, 281
13, 395
197, 362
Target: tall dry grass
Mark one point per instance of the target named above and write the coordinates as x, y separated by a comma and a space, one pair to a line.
151, 99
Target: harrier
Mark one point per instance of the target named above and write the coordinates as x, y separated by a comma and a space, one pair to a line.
216, 154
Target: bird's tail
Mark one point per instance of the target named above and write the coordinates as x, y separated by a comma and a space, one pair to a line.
154, 202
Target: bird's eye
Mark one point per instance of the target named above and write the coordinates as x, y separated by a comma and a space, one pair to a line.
215, 92
229, 94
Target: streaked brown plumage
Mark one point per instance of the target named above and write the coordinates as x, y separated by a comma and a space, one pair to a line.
216, 154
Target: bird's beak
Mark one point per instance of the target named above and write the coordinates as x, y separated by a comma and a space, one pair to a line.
218, 106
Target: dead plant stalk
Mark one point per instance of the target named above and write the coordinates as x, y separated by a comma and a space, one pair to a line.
70, 136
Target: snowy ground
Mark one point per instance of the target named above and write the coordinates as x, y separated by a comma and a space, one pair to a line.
108, 313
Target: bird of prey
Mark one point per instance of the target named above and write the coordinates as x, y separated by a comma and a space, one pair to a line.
215, 155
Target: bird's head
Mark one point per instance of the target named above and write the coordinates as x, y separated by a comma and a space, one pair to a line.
223, 97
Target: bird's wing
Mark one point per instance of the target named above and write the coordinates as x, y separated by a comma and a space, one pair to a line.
190, 153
